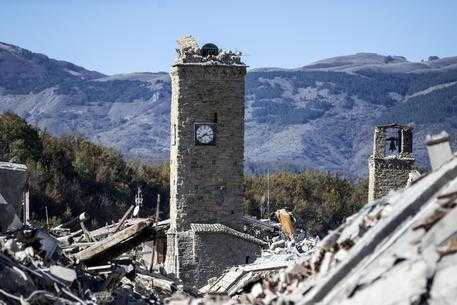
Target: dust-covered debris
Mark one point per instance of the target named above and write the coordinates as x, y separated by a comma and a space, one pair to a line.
57, 266
400, 249
189, 52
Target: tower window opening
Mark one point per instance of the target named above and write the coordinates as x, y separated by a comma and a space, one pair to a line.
392, 145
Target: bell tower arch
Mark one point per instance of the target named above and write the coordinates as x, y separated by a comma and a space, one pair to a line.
392, 161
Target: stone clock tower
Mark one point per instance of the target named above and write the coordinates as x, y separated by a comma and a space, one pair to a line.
206, 164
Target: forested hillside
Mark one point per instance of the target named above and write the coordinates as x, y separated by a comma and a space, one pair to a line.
319, 201
70, 175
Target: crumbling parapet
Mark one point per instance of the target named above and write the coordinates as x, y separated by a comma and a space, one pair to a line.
379, 142
389, 167
188, 52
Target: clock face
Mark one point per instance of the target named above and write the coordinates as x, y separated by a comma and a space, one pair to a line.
205, 134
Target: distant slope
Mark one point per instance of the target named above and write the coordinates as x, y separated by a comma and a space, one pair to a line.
22, 71
317, 116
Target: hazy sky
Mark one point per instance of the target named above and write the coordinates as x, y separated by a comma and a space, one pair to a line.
140, 35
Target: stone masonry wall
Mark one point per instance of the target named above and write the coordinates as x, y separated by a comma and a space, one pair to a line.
211, 256
390, 172
206, 182
387, 174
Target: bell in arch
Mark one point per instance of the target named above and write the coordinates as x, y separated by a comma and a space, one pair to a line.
393, 143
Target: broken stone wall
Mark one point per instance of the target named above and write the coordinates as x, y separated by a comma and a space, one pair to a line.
12, 186
208, 254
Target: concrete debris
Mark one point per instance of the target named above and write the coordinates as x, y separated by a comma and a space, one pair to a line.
413, 176
449, 248
399, 249
263, 229
281, 249
58, 266
65, 274
189, 52
277, 243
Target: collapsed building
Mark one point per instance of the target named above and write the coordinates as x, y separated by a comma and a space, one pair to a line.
206, 233
400, 248
67, 265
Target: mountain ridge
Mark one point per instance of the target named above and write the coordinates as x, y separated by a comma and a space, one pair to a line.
318, 117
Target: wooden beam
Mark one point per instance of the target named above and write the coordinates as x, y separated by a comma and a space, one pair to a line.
116, 244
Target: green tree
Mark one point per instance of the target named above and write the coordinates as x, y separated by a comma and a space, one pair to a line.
319, 201
19, 141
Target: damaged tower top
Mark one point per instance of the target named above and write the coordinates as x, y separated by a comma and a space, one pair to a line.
399, 139
392, 161
188, 52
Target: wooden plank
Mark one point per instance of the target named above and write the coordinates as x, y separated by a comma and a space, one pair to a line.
100, 248
123, 219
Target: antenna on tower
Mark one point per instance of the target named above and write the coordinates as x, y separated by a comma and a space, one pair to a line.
138, 202
268, 193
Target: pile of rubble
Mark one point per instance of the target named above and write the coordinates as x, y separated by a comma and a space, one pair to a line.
264, 229
284, 249
401, 249
103, 266
69, 264
188, 52
286, 242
